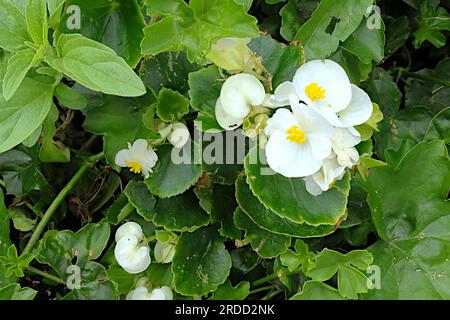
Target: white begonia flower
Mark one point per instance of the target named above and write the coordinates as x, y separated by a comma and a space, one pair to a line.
179, 135
139, 157
132, 252
325, 86
324, 179
142, 293
232, 54
164, 252
298, 141
238, 95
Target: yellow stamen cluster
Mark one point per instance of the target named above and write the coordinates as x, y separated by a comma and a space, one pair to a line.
315, 92
134, 166
295, 135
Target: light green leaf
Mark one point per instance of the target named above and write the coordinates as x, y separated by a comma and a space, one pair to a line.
160, 274
433, 21
412, 216
21, 220
288, 197
36, 17
226, 291
15, 292
266, 244
95, 66
18, 66
171, 105
209, 263
70, 98
195, 26
181, 213
331, 23
14, 29
175, 171
316, 290
23, 113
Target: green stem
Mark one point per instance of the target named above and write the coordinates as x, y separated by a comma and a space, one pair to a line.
272, 294
271, 277
46, 275
35, 211
61, 196
125, 212
2, 183
262, 289
424, 77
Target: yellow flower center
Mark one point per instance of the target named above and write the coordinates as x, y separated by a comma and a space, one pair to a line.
315, 92
295, 135
134, 166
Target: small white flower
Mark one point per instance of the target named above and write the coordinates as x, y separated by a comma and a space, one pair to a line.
164, 252
179, 135
298, 141
139, 157
142, 293
238, 95
131, 253
324, 179
343, 144
232, 54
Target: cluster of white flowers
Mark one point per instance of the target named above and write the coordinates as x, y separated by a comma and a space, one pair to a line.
132, 251
315, 139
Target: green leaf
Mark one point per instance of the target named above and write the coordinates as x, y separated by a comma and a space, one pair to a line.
139, 196
356, 70
14, 264
331, 23
116, 24
95, 66
433, 21
209, 263
300, 257
171, 105
266, 244
270, 221
21, 172
397, 33
181, 213
50, 152
64, 249
439, 128
70, 98
411, 214
24, 113
195, 26
5, 241
160, 274
21, 220
288, 197
222, 209
226, 291
125, 281
36, 17
281, 62
15, 292
175, 171
205, 86
428, 93
316, 290
351, 280
367, 44
14, 29
108, 120
18, 66
294, 14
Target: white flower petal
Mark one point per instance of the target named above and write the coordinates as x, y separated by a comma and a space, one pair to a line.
290, 159
122, 157
320, 146
225, 120
239, 93
283, 93
164, 252
343, 138
311, 121
329, 172
312, 187
167, 293
138, 149
140, 293
179, 136
282, 120
129, 229
358, 111
131, 256
331, 77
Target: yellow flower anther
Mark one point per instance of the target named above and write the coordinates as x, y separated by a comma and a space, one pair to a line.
295, 135
134, 166
315, 92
